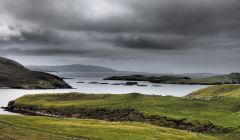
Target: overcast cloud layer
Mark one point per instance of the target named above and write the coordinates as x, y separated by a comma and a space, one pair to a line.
141, 35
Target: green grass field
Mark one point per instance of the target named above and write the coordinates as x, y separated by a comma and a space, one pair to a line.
44, 128
223, 112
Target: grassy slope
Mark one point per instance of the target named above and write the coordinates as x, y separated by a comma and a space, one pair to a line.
38, 128
223, 79
217, 91
224, 112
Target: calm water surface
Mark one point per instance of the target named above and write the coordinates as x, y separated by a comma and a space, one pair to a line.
7, 95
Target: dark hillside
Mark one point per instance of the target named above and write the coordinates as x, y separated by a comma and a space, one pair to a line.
14, 75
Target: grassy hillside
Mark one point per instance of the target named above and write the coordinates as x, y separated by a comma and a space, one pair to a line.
14, 75
232, 78
222, 112
38, 128
217, 91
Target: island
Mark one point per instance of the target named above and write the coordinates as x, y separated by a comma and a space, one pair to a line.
233, 78
15, 75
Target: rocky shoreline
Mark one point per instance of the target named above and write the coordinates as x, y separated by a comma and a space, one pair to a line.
121, 115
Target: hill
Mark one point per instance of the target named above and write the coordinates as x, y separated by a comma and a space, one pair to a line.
15, 75
72, 68
216, 91
233, 78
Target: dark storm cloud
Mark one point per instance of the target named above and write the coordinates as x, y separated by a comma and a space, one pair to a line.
44, 52
33, 35
43, 37
181, 17
150, 42
175, 16
123, 29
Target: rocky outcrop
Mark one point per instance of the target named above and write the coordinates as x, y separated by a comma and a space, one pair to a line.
14, 75
131, 83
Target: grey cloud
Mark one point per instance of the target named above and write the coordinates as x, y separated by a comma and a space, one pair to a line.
124, 30
192, 18
45, 37
44, 52
31, 35
179, 16
150, 42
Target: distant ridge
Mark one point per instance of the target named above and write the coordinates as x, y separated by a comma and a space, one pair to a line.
72, 68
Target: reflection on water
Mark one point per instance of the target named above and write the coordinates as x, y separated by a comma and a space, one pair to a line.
7, 95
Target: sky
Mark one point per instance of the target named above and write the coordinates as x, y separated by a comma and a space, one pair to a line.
158, 36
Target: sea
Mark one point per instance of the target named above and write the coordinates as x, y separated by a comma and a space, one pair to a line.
92, 82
